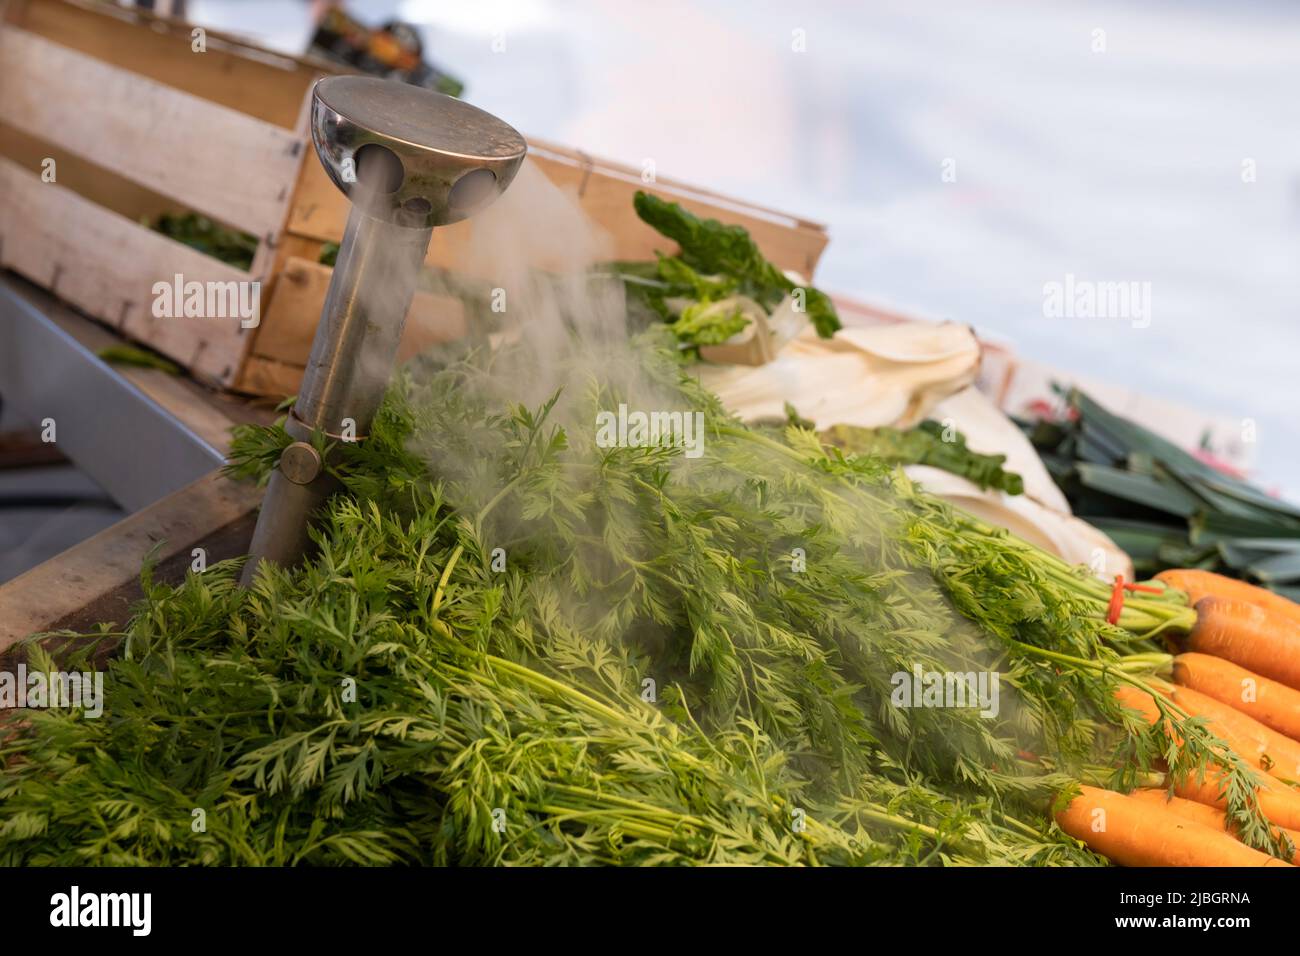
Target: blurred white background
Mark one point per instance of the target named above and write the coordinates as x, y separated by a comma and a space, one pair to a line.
1121, 165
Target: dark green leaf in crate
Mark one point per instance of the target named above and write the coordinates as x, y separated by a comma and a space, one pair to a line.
1280, 567
1141, 489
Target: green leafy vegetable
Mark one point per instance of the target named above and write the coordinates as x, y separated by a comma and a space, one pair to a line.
926, 445
682, 278
713, 248
709, 323
700, 310
199, 232
517, 645
140, 358
1166, 507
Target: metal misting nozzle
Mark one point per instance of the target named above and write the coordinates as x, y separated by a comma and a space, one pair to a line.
408, 159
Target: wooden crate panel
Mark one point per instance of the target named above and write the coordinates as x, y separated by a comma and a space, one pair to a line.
266, 376
606, 188
50, 594
107, 265
232, 167
87, 179
320, 211
232, 72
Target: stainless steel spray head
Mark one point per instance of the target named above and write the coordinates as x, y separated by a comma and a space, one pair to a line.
409, 156
408, 159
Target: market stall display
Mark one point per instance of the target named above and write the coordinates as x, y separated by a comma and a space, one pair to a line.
398, 698
665, 563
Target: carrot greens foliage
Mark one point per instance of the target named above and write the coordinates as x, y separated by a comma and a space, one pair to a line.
515, 646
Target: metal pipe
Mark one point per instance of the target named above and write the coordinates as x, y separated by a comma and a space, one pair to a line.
375, 276
352, 356
410, 160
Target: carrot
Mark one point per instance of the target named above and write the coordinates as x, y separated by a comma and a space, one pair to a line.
1278, 802
1274, 753
1250, 637
1138, 700
1133, 833
1204, 814
1199, 584
1274, 705
1201, 813
1249, 747
1256, 744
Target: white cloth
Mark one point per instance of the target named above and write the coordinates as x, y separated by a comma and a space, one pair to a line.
898, 375
883, 375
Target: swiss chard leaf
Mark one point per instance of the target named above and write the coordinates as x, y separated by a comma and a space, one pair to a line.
715, 248
927, 444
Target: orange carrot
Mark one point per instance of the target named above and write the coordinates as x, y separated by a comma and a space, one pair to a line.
1250, 747
1133, 833
1199, 584
1138, 700
1278, 802
1250, 637
1201, 813
1274, 753
1204, 814
1273, 704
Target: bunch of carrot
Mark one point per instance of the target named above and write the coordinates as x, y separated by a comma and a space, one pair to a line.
1239, 671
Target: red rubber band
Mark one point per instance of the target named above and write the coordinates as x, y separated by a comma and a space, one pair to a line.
1116, 601
1144, 588
1117, 597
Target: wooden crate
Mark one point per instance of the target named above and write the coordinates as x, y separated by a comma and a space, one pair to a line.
140, 124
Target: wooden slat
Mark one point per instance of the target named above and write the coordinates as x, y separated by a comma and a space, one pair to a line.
232, 73
86, 178
541, 148
51, 592
271, 87
215, 160
288, 247
606, 196
293, 312
106, 265
266, 376
320, 211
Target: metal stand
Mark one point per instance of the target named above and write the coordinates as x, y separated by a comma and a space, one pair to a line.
410, 160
